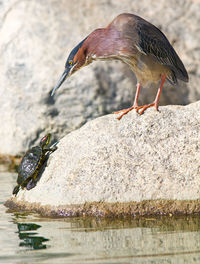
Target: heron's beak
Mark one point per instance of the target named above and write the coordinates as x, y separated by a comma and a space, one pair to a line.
63, 77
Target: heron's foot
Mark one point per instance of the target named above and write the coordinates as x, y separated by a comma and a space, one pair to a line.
140, 109
125, 111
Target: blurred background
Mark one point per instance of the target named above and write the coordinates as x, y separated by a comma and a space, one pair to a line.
36, 37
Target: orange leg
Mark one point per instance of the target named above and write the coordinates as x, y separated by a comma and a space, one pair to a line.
135, 104
144, 107
156, 101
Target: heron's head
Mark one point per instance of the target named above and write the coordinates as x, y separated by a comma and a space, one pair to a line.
75, 60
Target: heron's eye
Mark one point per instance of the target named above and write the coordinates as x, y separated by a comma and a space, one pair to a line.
70, 63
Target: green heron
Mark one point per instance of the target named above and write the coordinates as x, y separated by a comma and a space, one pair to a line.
139, 44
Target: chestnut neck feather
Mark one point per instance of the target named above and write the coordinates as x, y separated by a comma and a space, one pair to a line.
103, 43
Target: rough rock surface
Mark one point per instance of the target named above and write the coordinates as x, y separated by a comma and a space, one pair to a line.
140, 164
35, 39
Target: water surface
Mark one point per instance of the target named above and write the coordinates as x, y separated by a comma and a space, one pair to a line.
29, 238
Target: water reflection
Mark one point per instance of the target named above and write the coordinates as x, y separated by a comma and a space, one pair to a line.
30, 239
161, 223
130, 240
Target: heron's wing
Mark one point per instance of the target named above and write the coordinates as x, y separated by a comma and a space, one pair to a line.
152, 41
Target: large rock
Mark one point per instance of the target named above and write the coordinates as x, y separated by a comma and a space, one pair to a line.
139, 165
36, 38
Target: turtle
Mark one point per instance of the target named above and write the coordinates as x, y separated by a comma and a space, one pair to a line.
30, 168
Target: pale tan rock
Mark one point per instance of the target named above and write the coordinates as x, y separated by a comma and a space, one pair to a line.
155, 156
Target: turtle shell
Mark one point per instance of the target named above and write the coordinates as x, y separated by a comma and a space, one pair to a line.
29, 164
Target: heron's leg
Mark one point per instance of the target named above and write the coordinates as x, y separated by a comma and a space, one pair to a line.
159, 92
135, 104
156, 101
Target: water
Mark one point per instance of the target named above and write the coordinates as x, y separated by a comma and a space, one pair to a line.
29, 238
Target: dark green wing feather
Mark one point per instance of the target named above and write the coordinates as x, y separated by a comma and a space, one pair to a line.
152, 41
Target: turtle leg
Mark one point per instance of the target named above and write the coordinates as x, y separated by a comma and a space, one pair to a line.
31, 184
16, 190
51, 149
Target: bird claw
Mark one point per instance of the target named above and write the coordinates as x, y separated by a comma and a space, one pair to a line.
125, 111
144, 108
120, 111
139, 109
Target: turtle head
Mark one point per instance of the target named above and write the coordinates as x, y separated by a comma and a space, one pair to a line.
45, 141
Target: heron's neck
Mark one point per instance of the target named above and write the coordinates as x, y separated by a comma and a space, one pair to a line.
103, 44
